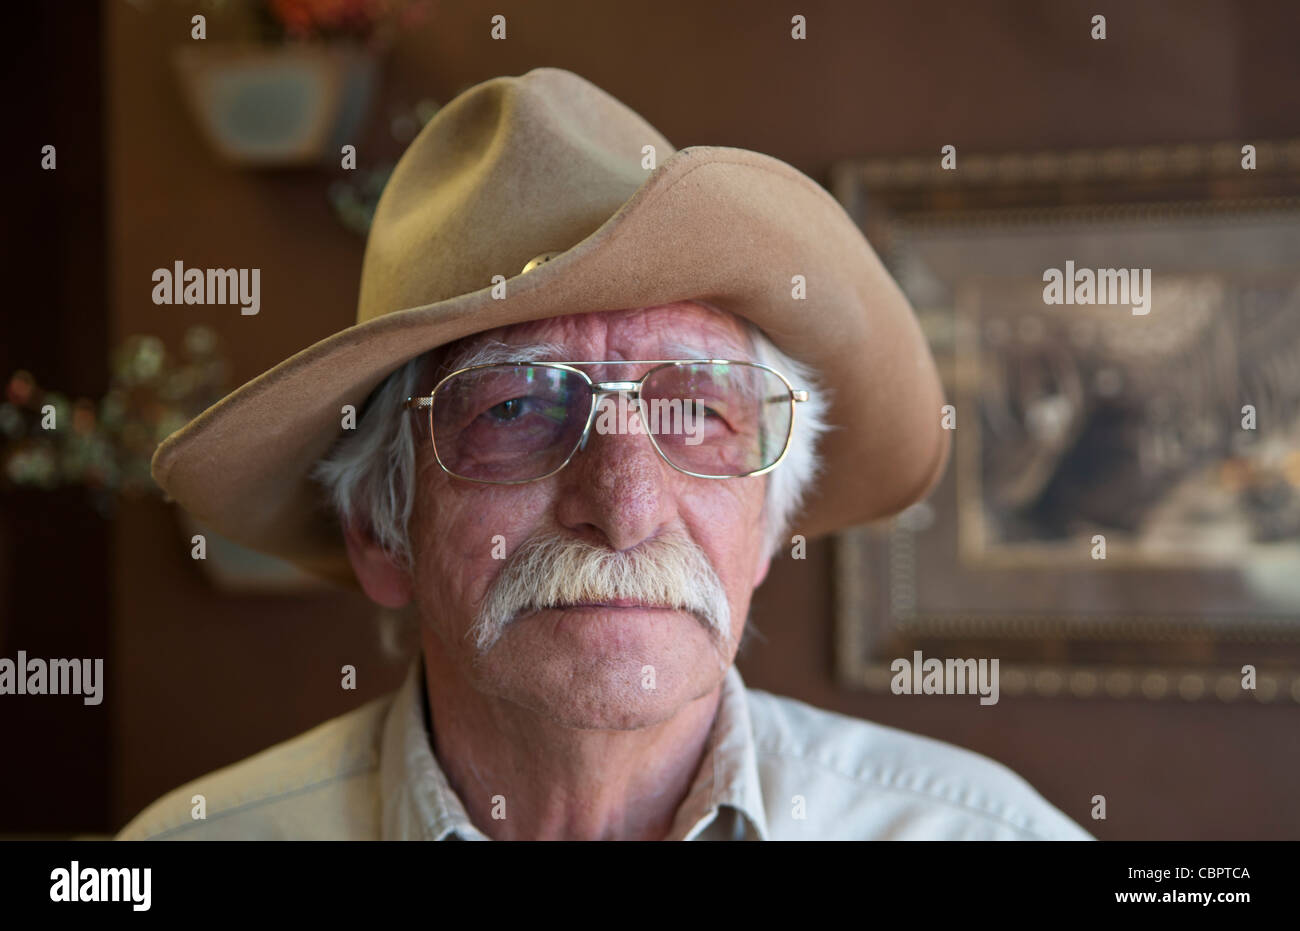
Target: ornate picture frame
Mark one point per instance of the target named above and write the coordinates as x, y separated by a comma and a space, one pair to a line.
1170, 434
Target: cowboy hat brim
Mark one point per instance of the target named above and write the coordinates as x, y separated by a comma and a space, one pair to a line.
723, 225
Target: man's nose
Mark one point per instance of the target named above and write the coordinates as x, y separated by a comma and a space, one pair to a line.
616, 487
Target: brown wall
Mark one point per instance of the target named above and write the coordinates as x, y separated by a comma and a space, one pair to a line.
54, 578
203, 680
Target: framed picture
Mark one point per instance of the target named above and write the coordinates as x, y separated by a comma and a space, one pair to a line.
1119, 336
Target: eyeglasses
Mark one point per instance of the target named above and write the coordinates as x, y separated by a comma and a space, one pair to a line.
516, 422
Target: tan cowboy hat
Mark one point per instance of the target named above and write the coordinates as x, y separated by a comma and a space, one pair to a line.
517, 167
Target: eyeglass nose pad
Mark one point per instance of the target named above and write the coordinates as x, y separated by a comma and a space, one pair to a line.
601, 399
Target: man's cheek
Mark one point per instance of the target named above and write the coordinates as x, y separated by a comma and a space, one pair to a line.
478, 577
472, 553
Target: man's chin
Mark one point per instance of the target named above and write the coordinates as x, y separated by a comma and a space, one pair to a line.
612, 699
602, 667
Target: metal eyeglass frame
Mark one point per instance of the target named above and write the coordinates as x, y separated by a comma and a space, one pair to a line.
600, 390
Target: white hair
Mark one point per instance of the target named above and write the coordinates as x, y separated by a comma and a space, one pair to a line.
789, 483
369, 473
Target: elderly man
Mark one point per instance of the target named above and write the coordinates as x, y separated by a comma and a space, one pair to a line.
592, 373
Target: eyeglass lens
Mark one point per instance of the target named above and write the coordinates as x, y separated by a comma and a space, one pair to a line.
514, 423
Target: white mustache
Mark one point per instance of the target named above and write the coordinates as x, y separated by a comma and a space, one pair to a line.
550, 570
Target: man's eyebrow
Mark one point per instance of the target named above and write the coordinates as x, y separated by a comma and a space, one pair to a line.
680, 350
493, 351
489, 352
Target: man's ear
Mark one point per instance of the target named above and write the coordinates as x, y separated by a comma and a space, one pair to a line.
764, 563
382, 578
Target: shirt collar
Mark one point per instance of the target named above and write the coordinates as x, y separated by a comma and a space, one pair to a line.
725, 800
418, 801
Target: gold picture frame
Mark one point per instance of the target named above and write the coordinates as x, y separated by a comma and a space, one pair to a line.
995, 563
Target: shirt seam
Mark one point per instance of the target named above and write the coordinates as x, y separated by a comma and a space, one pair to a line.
877, 784
256, 803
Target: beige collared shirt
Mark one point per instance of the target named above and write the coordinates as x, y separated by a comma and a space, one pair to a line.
775, 769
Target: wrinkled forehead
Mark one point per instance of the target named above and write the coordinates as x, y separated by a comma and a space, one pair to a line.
683, 330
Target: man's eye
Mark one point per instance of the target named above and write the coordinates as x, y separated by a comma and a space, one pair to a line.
507, 410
